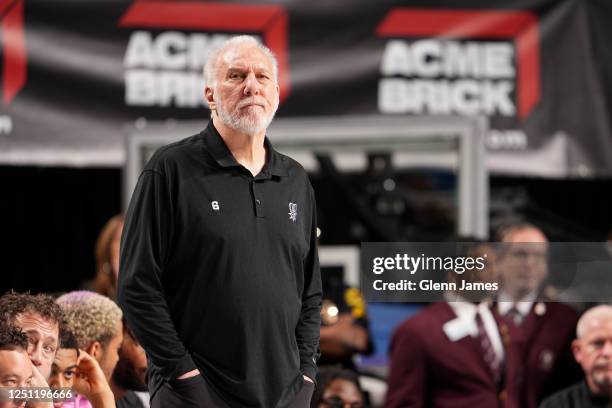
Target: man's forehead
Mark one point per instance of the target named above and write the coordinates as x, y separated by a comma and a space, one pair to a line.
15, 362
32, 320
65, 358
246, 56
599, 326
526, 235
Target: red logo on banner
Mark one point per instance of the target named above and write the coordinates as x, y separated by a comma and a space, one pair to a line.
13, 47
268, 20
522, 26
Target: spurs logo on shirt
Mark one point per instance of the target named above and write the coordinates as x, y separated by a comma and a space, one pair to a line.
292, 211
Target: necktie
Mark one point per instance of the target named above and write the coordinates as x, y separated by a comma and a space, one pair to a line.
490, 357
514, 316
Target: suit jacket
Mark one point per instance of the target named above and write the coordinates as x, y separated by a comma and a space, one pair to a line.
540, 360
429, 370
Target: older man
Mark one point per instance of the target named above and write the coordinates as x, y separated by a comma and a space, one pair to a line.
537, 330
593, 351
219, 272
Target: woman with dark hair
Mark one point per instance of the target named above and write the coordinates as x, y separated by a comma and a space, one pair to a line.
337, 388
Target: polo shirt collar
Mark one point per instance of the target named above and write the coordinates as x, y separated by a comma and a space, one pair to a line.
223, 156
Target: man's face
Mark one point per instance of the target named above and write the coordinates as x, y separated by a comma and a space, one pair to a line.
15, 371
343, 393
43, 339
488, 274
593, 351
110, 353
246, 94
523, 265
63, 371
130, 372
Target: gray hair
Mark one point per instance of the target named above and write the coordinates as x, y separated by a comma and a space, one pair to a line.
210, 68
601, 312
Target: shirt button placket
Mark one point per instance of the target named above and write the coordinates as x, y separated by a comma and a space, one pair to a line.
259, 212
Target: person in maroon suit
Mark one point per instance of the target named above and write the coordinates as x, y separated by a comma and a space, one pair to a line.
449, 355
538, 332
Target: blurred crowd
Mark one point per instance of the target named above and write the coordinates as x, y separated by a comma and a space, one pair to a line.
520, 348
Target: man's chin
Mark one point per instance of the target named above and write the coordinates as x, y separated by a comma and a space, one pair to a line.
58, 404
603, 379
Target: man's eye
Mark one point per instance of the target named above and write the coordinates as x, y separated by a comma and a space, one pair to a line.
49, 349
68, 375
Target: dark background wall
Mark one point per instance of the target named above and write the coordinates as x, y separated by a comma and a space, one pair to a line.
50, 218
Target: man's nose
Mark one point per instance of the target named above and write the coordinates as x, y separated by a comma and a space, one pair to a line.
61, 382
36, 354
251, 85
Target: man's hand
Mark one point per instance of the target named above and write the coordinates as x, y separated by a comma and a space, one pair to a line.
189, 374
38, 381
91, 382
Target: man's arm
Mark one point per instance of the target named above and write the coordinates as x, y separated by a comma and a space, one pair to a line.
38, 381
407, 379
145, 247
344, 338
91, 382
308, 329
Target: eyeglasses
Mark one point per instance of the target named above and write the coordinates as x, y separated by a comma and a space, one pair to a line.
337, 402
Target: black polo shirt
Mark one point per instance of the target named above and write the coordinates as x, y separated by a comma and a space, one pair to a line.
219, 271
577, 396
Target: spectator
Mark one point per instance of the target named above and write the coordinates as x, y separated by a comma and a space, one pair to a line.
345, 331
337, 388
96, 322
345, 325
129, 376
537, 330
15, 366
40, 318
77, 370
451, 353
593, 351
63, 369
107, 258
91, 385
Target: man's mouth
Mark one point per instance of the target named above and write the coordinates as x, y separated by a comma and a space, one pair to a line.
250, 103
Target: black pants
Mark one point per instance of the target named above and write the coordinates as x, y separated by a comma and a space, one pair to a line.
193, 393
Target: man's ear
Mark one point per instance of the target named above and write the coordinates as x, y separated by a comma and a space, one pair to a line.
577, 350
95, 350
209, 95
